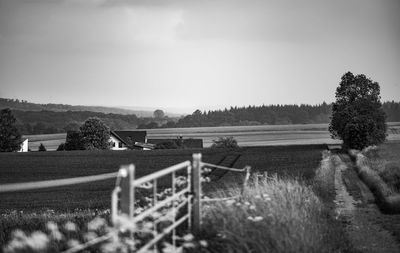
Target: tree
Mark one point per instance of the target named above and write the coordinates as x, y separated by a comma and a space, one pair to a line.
74, 141
225, 142
357, 115
41, 147
10, 137
95, 134
61, 147
158, 114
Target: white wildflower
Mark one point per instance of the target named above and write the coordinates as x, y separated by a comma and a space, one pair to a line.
89, 236
230, 201
70, 226
72, 243
252, 207
51, 226
188, 237
96, 224
258, 218
188, 245
203, 243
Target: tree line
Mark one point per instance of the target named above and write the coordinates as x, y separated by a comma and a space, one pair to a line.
270, 115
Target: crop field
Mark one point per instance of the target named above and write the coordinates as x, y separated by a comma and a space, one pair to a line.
248, 136
35, 166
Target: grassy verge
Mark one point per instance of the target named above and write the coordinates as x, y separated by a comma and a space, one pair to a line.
387, 198
276, 215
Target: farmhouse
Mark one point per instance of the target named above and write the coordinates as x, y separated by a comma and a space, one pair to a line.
24, 146
120, 140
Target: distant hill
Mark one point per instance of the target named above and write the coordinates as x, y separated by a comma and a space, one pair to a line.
49, 122
23, 105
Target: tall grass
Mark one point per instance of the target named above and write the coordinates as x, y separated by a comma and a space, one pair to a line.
275, 215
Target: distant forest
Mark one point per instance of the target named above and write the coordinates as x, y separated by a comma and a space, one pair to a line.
271, 115
23, 105
37, 121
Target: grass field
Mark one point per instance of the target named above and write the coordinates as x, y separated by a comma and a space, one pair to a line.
35, 166
245, 135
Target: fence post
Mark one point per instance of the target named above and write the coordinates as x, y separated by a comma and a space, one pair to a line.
127, 194
196, 190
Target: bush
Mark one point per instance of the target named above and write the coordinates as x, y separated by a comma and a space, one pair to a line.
61, 147
225, 142
42, 147
74, 141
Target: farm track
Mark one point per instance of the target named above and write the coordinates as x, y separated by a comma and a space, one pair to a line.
359, 215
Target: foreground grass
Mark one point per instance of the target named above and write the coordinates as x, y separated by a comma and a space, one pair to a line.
276, 215
385, 160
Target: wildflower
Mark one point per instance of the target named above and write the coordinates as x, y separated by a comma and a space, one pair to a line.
188, 245
203, 243
252, 207
72, 243
267, 199
148, 225
265, 195
230, 201
38, 241
238, 204
258, 218
188, 237
257, 196
156, 215
247, 203
89, 236
169, 248
250, 218
51, 226
70, 226
96, 224
124, 223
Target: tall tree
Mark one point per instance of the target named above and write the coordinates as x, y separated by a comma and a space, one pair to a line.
159, 114
357, 115
95, 134
10, 137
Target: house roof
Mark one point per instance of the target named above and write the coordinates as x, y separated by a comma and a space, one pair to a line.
127, 137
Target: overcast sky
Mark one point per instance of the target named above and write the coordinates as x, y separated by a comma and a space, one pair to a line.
195, 54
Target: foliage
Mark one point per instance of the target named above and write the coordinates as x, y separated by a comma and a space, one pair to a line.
357, 115
74, 141
42, 147
95, 134
10, 138
225, 142
61, 147
158, 114
150, 125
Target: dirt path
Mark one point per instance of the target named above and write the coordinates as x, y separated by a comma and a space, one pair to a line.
359, 215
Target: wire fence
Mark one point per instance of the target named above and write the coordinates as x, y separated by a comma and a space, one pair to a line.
123, 198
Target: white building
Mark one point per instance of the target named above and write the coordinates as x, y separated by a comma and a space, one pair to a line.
120, 140
24, 146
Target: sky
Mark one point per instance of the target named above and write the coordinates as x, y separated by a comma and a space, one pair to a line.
180, 55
